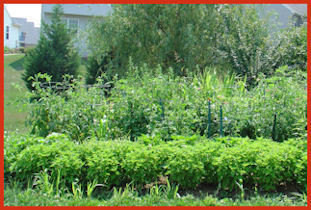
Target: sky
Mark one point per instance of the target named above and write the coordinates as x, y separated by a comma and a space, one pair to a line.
30, 11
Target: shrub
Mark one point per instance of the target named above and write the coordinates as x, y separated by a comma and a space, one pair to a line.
72, 112
292, 50
6, 50
28, 49
186, 167
187, 162
99, 66
21, 49
39, 157
68, 162
54, 53
104, 161
257, 163
254, 113
301, 171
143, 165
16, 143
246, 43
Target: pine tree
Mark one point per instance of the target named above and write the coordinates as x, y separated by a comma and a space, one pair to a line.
54, 54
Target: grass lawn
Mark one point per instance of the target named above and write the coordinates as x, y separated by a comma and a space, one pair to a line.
13, 69
14, 196
14, 116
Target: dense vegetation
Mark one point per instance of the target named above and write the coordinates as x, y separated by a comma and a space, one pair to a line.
187, 37
201, 98
185, 161
162, 105
150, 128
54, 53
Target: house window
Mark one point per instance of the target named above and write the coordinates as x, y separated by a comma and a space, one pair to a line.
72, 24
22, 36
7, 32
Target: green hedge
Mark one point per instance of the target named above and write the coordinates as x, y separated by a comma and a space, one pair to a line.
187, 162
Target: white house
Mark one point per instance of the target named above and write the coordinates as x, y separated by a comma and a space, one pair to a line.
77, 17
28, 33
11, 31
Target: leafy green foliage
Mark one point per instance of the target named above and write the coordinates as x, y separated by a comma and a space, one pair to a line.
54, 53
186, 167
103, 161
259, 163
136, 133
253, 114
187, 37
158, 104
246, 43
41, 156
187, 162
74, 112
98, 66
292, 50
182, 37
16, 143
162, 29
143, 164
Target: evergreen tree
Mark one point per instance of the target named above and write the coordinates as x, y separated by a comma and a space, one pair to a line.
54, 53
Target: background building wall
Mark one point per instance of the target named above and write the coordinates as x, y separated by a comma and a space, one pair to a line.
12, 42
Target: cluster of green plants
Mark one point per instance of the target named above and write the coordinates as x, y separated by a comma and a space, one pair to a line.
292, 50
229, 163
235, 37
54, 54
171, 105
161, 104
218, 73
8, 50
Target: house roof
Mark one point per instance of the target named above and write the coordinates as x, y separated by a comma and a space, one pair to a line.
300, 9
81, 9
22, 21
